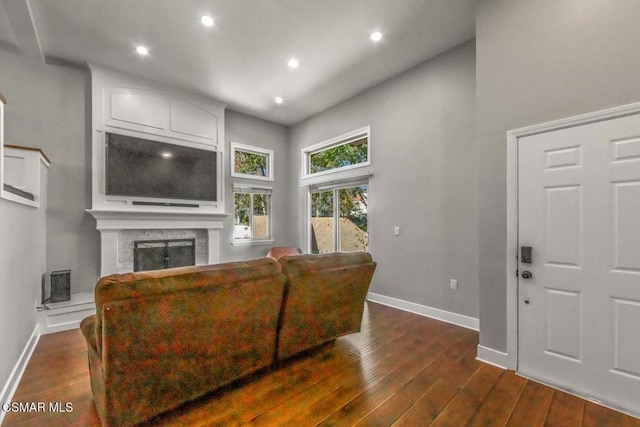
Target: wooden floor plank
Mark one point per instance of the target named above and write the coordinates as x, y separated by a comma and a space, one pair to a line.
402, 370
463, 407
532, 407
406, 369
566, 410
599, 416
498, 406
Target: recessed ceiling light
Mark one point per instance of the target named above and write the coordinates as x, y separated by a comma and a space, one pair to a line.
206, 20
142, 50
376, 36
166, 154
278, 100
293, 63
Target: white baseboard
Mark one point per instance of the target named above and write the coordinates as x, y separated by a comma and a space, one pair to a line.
16, 374
423, 310
493, 357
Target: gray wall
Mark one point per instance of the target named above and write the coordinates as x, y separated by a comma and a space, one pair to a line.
22, 264
48, 108
536, 62
249, 130
424, 174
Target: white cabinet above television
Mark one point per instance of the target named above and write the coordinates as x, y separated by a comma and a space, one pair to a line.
140, 110
158, 114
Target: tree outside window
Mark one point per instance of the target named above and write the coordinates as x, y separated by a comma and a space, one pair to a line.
251, 162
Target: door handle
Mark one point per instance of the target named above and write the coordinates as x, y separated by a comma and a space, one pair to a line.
527, 275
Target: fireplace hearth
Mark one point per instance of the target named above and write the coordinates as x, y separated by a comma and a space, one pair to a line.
161, 254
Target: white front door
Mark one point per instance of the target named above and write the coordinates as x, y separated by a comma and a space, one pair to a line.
579, 211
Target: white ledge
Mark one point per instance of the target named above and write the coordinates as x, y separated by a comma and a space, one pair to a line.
108, 219
251, 242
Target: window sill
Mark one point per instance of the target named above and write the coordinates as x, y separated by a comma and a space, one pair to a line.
251, 242
336, 176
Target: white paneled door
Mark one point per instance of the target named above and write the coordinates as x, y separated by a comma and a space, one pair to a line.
579, 297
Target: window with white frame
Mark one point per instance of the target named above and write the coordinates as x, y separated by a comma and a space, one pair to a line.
252, 214
251, 162
336, 172
345, 156
338, 218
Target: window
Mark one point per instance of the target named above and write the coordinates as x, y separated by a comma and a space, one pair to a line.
338, 220
336, 172
251, 162
252, 215
347, 155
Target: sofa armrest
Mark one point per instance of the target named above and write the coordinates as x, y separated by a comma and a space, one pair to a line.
88, 327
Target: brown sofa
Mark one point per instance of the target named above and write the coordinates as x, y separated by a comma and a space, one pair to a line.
324, 298
162, 338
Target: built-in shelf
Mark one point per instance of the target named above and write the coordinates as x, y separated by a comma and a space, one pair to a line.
23, 174
66, 315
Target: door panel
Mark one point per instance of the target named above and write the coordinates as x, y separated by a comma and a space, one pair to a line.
626, 209
627, 320
563, 320
579, 208
563, 225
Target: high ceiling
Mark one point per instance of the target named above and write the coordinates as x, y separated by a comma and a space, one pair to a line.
242, 59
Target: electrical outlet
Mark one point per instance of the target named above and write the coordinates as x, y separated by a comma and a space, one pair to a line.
453, 283
396, 231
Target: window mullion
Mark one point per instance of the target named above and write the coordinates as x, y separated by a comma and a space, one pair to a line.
251, 222
336, 220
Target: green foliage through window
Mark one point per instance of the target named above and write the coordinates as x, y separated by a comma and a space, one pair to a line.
339, 156
251, 215
251, 163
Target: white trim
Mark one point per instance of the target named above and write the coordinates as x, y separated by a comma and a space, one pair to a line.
251, 188
423, 310
512, 206
252, 191
492, 357
11, 385
251, 150
248, 242
347, 172
338, 176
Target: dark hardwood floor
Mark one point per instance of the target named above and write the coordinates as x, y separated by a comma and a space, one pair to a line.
401, 370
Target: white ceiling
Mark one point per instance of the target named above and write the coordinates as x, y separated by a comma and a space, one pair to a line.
242, 59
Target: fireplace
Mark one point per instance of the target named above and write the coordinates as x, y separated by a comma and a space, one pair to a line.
120, 229
161, 254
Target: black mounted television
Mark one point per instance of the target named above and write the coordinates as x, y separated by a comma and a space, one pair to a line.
137, 167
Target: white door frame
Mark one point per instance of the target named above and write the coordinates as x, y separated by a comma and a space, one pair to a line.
512, 208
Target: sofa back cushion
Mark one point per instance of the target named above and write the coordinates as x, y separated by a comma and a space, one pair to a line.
324, 298
170, 336
143, 286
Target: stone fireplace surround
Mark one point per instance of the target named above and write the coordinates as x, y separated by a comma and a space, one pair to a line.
118, 230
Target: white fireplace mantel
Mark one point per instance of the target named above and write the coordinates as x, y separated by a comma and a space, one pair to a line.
111, 222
